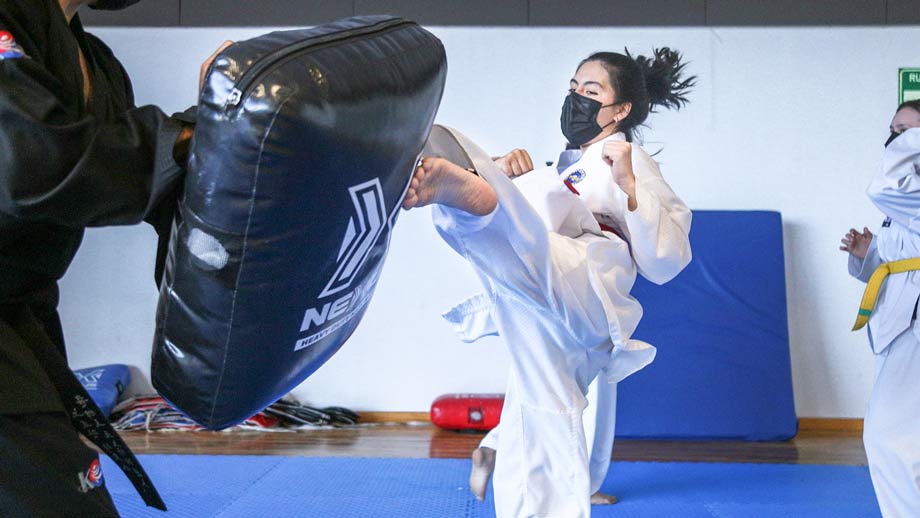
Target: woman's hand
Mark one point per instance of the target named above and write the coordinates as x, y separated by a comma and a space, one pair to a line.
857, 244
618, 155
207, 63
515, 163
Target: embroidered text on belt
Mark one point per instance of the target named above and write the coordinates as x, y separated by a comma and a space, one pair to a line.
875, 285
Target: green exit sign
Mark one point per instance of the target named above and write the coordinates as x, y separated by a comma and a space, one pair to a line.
908, 84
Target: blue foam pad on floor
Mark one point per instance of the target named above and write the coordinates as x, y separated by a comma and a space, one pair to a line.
722, 369
320, 487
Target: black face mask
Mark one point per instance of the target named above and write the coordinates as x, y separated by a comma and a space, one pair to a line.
112, 5
579, 118
894, 135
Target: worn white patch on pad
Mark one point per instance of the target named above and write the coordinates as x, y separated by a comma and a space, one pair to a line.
207, 249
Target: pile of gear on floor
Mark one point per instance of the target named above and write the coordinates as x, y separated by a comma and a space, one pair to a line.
107, 383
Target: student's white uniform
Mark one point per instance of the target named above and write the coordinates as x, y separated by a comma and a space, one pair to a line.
599, 417
557, 290
599, 420
892, 425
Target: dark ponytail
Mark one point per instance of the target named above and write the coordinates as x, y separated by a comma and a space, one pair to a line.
646, 82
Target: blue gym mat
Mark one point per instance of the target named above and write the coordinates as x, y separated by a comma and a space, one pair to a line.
722, 369
331, 487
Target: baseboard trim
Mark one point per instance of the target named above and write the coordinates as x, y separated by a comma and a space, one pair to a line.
809, 424
822, 424
394, 417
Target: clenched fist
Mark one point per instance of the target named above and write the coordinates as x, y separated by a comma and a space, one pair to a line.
618, 155
515, 163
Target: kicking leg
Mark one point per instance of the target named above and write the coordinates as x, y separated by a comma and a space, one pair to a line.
445, 183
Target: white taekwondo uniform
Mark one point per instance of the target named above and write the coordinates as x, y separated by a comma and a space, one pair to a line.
557, 291
892, 425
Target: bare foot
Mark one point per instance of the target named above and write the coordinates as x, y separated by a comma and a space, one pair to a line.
483, 464
603, 499
443, 182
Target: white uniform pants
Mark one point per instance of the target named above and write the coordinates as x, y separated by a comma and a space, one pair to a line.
541, 468
599, 420
892, 427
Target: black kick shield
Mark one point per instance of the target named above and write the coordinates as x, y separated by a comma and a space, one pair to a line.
305, 144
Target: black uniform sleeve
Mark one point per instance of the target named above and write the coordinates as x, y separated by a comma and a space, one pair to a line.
160, 216
72, 170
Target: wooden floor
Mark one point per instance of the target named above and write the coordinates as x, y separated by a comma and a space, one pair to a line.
809, 447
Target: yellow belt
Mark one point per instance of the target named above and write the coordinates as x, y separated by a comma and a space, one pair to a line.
875, 284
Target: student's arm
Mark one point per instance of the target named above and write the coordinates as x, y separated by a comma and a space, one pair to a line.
659, 227
72, 170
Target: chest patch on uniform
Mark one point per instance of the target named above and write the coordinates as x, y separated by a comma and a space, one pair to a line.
9, 49
886, 223
575, 176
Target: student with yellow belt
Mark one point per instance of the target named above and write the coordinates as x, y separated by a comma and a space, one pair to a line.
892, 424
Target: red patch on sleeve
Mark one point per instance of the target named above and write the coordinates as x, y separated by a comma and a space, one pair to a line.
9, 49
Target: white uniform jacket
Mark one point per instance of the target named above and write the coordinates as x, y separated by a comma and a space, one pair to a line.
896, 192
653, 240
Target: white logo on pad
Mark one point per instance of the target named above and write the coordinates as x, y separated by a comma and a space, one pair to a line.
364, 229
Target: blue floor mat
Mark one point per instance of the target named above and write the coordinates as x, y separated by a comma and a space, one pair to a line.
199, 486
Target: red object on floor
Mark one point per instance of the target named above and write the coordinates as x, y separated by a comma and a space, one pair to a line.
467, 411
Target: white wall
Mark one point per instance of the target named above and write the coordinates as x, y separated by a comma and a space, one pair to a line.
791, 120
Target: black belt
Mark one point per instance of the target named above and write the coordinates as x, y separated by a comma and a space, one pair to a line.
86, 416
